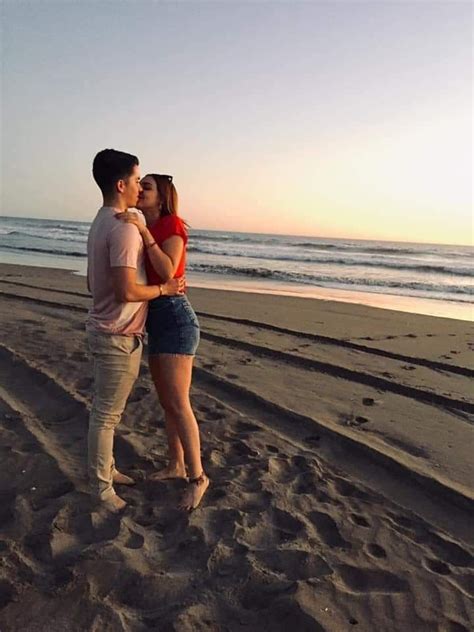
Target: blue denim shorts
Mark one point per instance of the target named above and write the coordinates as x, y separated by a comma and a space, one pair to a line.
172, 326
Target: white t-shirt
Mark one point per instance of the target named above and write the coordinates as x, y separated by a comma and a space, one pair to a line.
113, 243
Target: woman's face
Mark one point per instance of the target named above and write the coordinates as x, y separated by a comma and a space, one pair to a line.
149, 198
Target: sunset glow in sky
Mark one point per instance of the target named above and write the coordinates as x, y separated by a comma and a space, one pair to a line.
335, 119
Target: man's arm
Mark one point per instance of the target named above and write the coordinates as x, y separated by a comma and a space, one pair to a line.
127, 290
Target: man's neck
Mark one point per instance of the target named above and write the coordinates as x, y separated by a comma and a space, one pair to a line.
115, 202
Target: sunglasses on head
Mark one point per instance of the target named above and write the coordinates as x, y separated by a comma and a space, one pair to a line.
169, 178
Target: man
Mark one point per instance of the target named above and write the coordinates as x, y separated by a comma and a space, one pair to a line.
115, 325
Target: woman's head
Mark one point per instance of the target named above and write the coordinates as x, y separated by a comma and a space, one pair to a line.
159, 195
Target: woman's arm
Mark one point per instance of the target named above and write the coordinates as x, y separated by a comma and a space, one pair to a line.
165, 260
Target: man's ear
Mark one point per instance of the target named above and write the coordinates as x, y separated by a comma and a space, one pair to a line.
120, 185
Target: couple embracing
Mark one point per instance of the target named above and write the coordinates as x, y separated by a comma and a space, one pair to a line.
136, 268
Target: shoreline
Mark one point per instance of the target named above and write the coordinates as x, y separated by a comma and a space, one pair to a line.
409, 304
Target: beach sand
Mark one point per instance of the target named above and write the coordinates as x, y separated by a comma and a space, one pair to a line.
338, 439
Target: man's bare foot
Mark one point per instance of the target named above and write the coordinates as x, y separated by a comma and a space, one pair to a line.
195, 491
168, 473
114, 504
122, 479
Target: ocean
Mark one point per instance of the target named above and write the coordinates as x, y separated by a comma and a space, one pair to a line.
390, 274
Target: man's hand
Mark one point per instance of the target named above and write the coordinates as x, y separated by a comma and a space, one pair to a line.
173, 287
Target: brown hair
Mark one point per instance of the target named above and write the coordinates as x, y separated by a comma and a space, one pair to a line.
167, 192
110, 166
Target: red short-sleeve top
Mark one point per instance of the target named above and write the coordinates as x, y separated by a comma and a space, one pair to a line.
164, 228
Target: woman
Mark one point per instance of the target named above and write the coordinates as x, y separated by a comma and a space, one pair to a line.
173, 333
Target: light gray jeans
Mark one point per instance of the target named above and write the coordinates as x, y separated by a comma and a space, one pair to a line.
116, 362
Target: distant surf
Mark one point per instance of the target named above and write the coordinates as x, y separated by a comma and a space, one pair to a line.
426, 271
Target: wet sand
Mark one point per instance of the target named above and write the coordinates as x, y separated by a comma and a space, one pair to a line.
338, 439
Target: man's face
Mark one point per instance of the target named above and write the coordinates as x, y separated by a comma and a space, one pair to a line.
132, 188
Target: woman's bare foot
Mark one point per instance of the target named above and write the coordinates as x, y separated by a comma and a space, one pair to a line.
169, 472
195, 491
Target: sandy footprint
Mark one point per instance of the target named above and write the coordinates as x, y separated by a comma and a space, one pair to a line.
262, 590
308, 482
289, 527
367, 580
218, 524
354, 421
280, 470
244, 426
226, 561
359, 520
327, 530
294, 564
272, 449
347, 489
435, 566
375, 550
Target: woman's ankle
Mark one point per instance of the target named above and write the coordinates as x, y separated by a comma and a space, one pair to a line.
199, 478
176, 466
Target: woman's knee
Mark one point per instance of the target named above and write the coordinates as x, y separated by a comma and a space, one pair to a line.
174, 405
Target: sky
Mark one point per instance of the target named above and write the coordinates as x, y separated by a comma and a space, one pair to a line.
335, 119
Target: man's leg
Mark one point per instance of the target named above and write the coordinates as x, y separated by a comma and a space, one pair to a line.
116, 367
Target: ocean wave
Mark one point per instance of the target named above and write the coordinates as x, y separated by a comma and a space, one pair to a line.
355, 248
234, 237
58, 236
340, 245
43, 228
47, 251
370, 263
69, 227
295, 243
419, 250
332, 281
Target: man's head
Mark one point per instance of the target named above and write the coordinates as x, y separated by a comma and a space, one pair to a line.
117, 176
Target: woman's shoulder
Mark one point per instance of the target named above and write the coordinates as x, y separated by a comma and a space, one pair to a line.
172, 224
171, 220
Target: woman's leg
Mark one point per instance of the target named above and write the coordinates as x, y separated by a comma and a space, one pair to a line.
173, 383
176, 467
